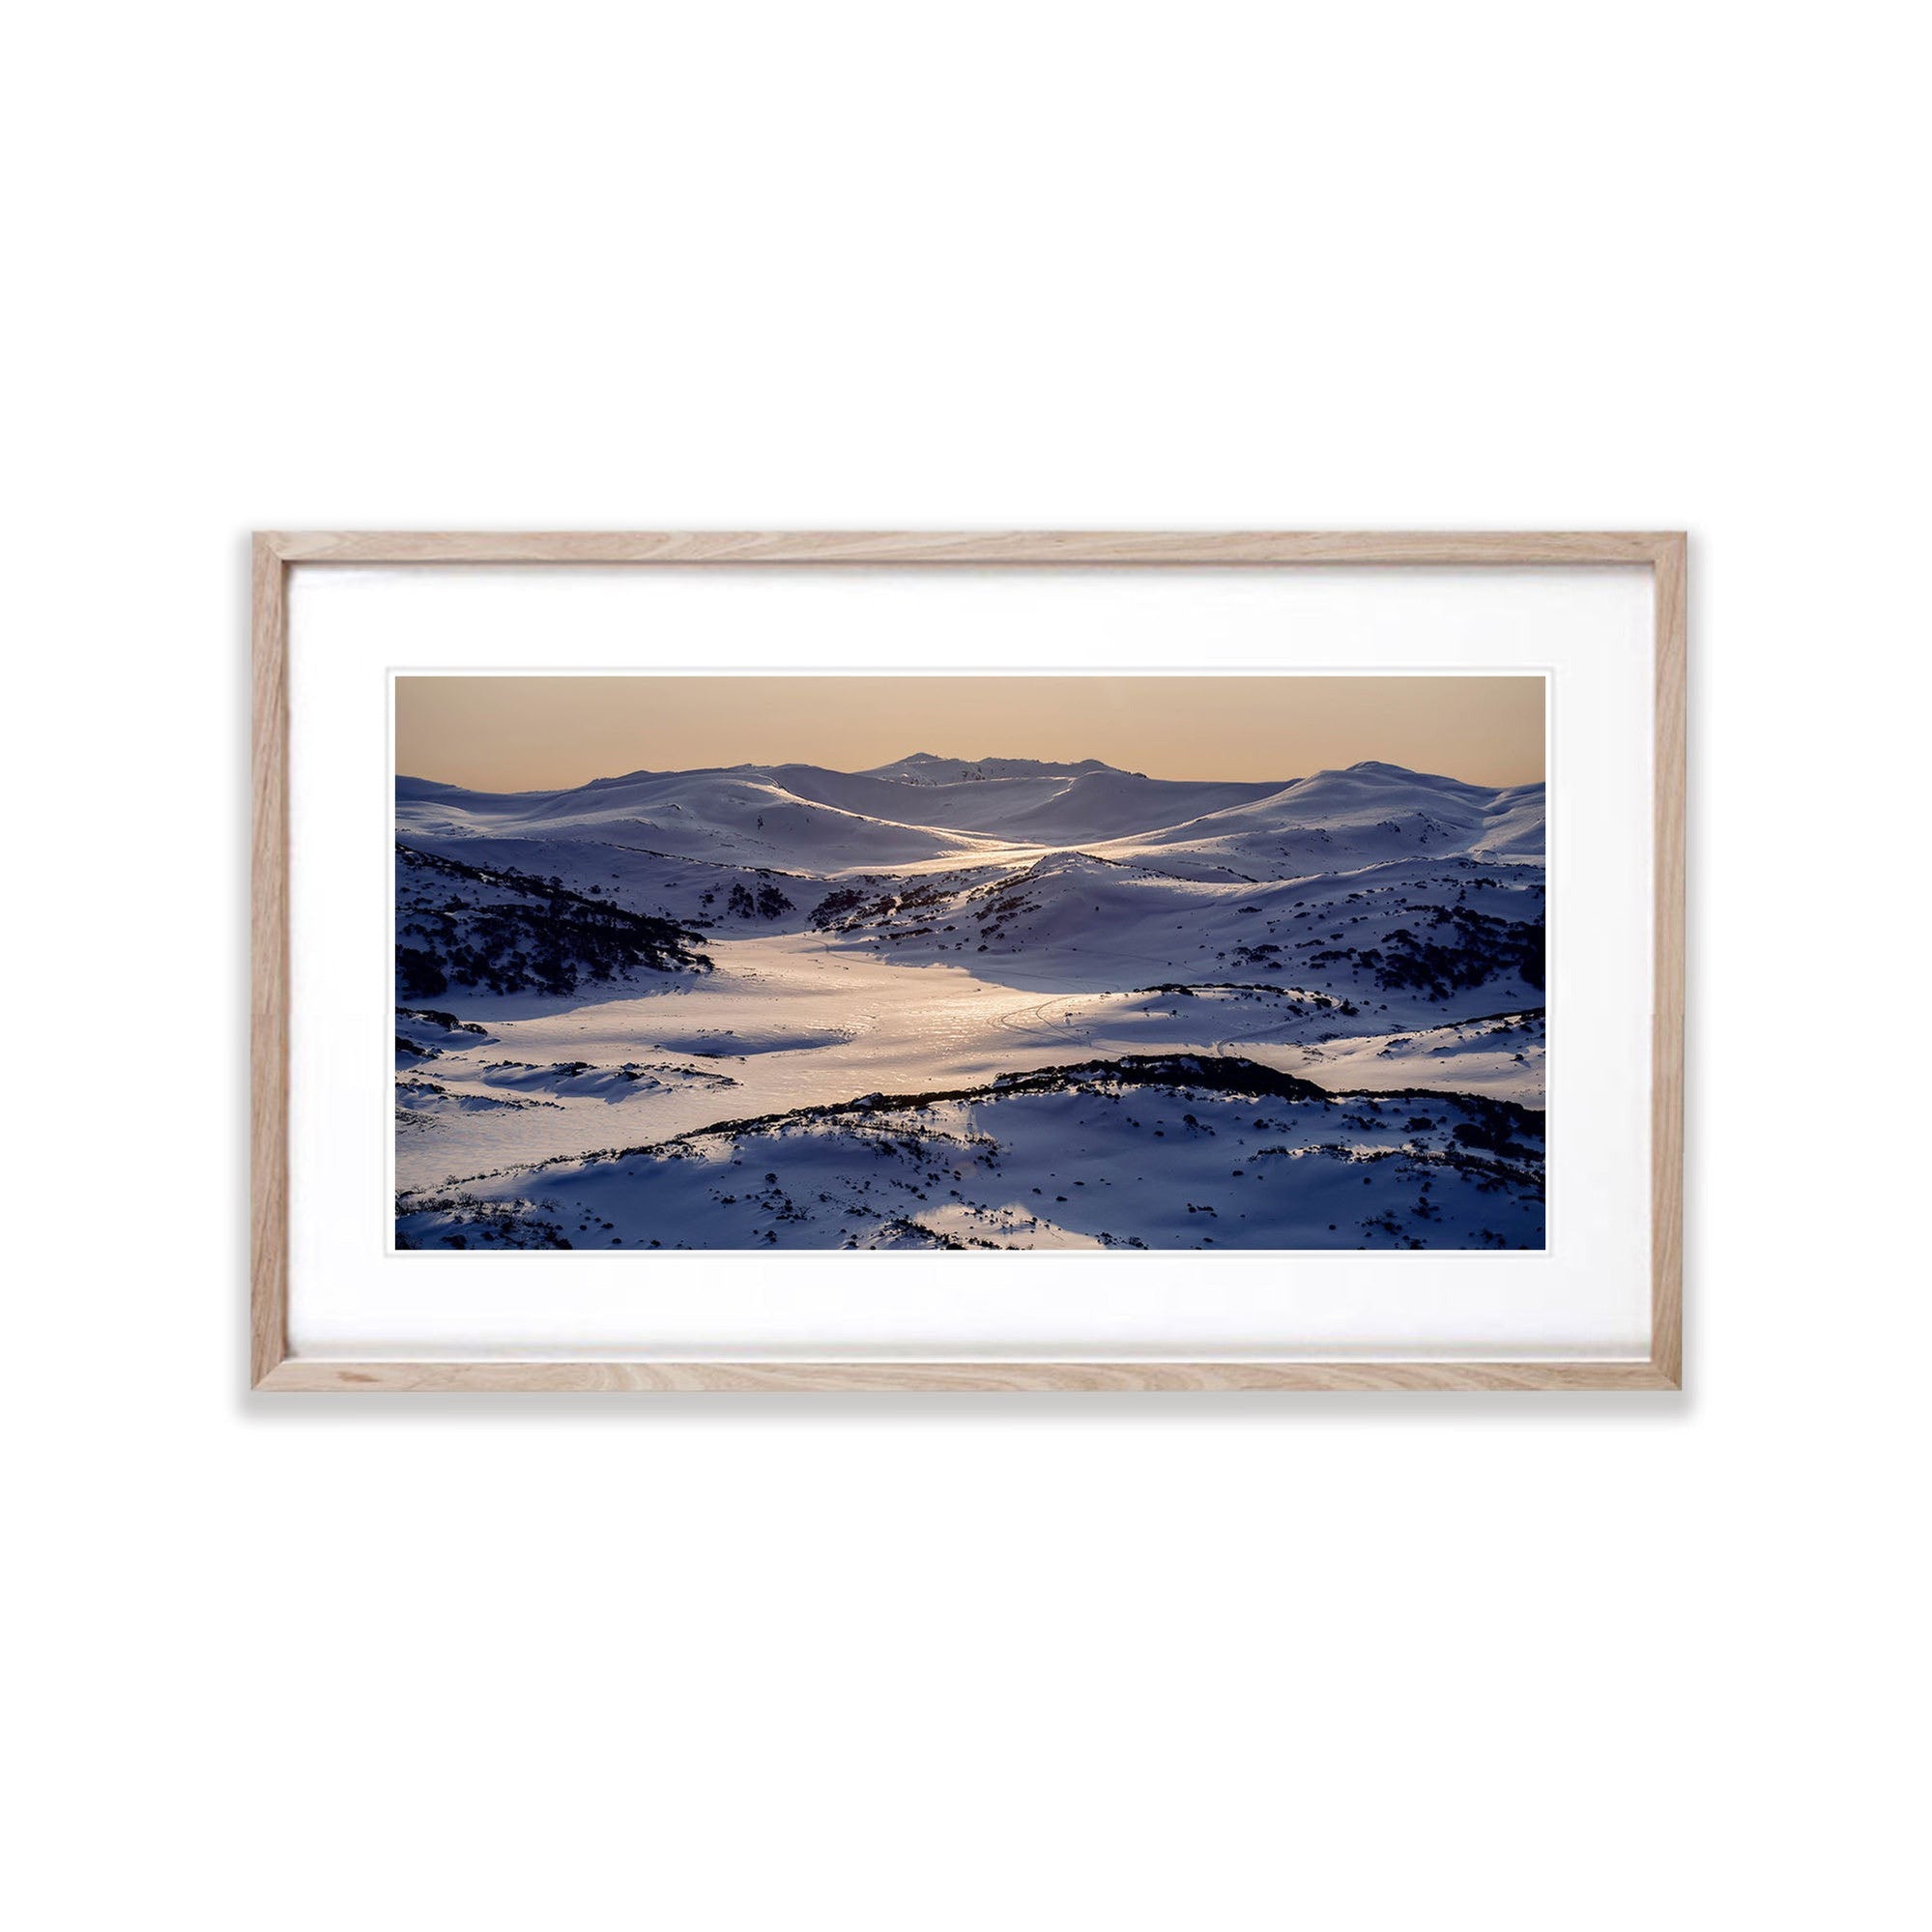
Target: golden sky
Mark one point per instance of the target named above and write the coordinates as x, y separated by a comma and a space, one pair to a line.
518, 733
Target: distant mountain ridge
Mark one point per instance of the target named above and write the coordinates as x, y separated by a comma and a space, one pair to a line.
925, 768
925, 808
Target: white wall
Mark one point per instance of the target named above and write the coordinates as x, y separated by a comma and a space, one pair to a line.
1585, 1662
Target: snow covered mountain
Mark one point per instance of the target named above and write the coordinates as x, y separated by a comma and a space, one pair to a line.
924, 810
653, 957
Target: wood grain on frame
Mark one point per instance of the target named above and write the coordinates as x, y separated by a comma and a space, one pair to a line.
1668, 862
1001, 547
272, 1367
1016, 1378
269, 980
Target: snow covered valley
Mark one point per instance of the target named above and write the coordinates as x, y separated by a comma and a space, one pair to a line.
987, 1003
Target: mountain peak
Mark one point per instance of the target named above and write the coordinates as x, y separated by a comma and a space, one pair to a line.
1407, 776
926, 768
1029, 764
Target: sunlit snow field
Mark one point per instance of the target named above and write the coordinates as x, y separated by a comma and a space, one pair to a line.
1305, 1015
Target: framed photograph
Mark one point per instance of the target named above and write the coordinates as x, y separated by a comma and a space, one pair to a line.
789, 961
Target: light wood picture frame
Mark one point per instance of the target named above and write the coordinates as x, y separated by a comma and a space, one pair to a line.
275, 554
